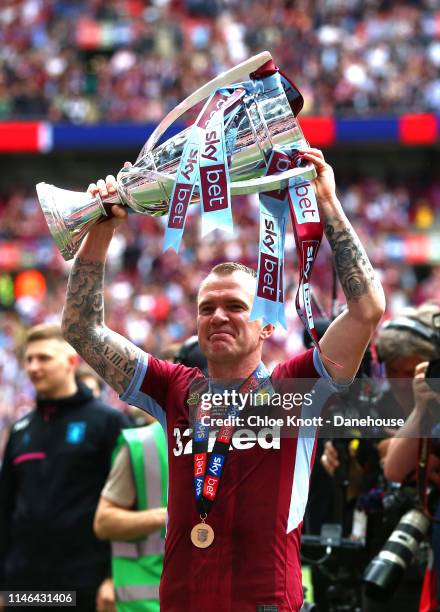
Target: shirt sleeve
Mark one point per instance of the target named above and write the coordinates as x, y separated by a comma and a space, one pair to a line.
149, 387
321, 370
308, 365
119, 488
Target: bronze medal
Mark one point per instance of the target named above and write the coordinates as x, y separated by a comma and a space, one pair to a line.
202, 535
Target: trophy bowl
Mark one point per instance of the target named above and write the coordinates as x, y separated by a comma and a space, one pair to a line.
264, 119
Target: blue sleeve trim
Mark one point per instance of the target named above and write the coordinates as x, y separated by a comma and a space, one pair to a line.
320, 368
138, 377
132, 395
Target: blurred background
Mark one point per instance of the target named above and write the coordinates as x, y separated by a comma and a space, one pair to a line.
83, 84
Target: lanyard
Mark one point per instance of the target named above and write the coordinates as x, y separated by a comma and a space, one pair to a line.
208, 471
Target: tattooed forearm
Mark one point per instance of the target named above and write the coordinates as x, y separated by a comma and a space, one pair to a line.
351, 262
113, 357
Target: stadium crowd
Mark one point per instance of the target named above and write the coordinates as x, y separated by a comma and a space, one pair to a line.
128, 60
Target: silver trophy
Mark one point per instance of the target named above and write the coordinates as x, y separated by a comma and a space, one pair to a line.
267, 120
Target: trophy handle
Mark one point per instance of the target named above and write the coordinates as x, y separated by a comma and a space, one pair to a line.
238, 73
272, 182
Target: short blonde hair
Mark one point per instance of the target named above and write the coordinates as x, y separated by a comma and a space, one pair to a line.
46, 331
229, 267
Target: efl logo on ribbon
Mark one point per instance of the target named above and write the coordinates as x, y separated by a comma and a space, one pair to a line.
309, 251
225, 433
308, 305
212, 106
279, 162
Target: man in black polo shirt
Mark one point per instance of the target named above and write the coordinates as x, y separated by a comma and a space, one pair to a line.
55, 465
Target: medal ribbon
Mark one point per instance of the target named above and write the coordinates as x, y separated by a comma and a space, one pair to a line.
208, 471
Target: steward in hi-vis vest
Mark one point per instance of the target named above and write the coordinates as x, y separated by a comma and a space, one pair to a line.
137, 565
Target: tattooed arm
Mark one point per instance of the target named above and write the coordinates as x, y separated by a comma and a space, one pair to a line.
112, 356
348, 336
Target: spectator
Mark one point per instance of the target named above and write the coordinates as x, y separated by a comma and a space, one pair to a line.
131, 512
56, 462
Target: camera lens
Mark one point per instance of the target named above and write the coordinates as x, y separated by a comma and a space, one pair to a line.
385, 571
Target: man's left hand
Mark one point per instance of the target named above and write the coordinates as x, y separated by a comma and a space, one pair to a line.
324, 183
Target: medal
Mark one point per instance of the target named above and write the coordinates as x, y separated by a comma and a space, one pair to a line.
202, 535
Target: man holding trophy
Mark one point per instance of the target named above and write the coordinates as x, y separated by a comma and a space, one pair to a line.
235, 506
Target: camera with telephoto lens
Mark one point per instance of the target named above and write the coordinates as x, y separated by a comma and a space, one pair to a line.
385, 571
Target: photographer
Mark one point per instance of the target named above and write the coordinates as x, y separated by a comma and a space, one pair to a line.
402, 458
402, 344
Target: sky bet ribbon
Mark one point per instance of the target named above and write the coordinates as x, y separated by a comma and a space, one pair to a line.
208, 472
215, 197
269, 296
188, 174
308, 230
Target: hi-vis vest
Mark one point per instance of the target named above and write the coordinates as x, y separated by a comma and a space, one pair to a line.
137, 565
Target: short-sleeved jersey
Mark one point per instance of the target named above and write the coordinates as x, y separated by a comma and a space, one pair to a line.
257, 515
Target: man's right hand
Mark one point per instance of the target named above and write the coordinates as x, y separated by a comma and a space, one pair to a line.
330, 458
422, 391
97, 241
107, 188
